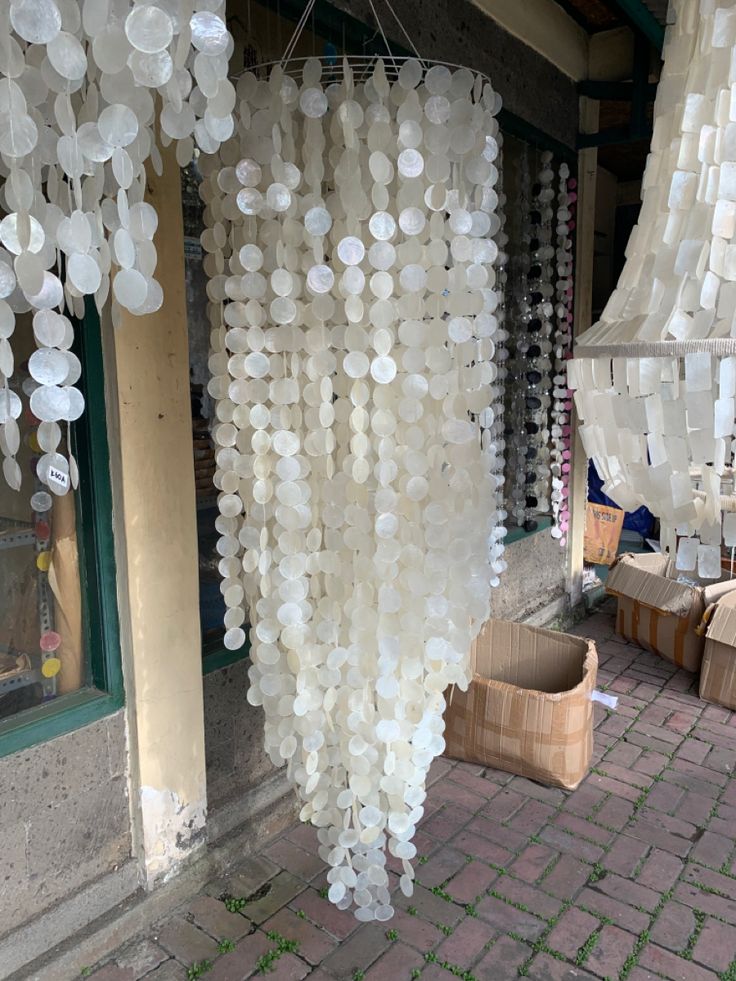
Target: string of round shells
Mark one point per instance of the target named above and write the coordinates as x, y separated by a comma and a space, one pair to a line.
89, 87
562, 397
519, 314
536, 346
352, 285
496, 432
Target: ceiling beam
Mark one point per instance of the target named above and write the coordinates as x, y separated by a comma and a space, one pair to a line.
642, 19
547, 28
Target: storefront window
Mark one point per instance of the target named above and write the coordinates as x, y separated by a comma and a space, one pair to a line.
42, 651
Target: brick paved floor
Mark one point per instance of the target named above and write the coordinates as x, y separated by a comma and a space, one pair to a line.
632, 876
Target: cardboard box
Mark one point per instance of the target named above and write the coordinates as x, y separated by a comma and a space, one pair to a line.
528, 709
718, 676
658, 613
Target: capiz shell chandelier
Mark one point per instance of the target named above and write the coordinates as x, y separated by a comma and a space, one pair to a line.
351, 222
86, 89
656, 377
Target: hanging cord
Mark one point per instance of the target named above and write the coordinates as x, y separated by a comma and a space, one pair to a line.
383, 35
298, 30
405, 33
309, 10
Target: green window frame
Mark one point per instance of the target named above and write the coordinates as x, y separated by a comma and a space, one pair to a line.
215, 655
100, 625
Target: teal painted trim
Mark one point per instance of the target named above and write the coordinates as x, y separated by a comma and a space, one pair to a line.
55, 718
616, 91
95, 542
514, 125
615, 136
643, 20
219, 657
519, 534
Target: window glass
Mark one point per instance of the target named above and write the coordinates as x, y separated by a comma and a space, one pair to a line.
42, 652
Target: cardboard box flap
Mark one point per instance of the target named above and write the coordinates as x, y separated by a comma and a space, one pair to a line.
722, 625
544, 664
653, 562
643, 578
717, 590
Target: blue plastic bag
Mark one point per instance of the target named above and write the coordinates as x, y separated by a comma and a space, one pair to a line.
641, 520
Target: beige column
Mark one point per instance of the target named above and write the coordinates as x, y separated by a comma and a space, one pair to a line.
155, 523
583, 310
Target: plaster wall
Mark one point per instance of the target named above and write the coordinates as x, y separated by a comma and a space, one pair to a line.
236, 762
64, 818
535, 577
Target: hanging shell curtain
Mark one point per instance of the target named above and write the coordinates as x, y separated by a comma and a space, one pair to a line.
353, 304
656, 377
562, 404
539, 318
87, 87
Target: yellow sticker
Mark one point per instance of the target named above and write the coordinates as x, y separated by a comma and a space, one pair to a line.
50, 667
33, 443
43, 561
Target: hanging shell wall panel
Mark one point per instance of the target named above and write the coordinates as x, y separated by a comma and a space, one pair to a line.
656, 377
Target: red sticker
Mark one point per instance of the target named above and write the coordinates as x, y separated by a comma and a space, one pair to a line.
43, 530
50, 641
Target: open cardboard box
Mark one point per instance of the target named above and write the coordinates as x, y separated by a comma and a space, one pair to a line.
658, 613
718, 675
528, 709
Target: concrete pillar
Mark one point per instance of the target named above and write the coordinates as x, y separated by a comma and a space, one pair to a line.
158, 556
583, 315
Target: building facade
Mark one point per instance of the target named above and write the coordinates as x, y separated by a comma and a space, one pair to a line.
141, 753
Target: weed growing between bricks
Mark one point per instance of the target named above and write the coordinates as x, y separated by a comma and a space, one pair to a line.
633, 959
587, 948
597, 873
267, 961
454, 969
196, 970
687, 953
236, 904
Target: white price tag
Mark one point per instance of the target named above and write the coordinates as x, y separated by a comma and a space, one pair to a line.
610, 701
58, 477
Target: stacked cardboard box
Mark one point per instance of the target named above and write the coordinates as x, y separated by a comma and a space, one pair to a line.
660, 613
718, 674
